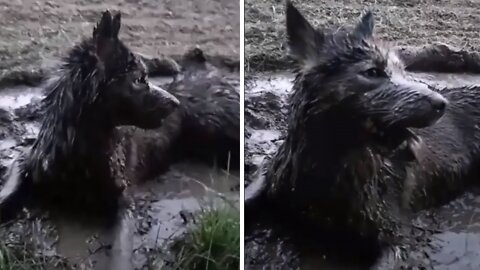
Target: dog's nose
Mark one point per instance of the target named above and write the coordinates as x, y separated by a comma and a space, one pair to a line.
170, 100
439, 103
173, 102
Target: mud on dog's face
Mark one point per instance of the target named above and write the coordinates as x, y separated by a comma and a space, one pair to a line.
127, 96
349, 70
137, 101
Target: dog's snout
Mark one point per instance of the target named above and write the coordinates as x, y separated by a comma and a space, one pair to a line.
416, 105
170, 100
439, 103
173, 102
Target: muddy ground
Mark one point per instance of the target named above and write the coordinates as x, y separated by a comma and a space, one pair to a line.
33, 35
35, 31
410, 22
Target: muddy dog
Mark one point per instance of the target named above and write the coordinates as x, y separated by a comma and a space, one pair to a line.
73, 164
365, 143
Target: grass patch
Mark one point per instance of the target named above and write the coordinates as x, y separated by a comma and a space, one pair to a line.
213, 242
23, 259
11, 259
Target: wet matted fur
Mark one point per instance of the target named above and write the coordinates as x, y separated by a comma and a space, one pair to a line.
73, 163
210, 112
205, 127
366, 144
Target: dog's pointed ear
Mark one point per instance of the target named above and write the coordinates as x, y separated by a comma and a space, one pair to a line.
197, 55
105, 34
364, 28
103, 29
304, 41
117, 21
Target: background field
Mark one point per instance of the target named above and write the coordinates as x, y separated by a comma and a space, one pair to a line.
412, 22
32, 31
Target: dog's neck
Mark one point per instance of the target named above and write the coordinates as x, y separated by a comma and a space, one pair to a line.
84, 146
70, 164
75, 136
326, 163
330, 136
322, 149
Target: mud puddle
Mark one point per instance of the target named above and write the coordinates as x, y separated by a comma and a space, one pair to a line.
268, 245
162, 208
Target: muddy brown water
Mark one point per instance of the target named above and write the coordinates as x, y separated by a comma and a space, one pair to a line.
164, 207
270, 245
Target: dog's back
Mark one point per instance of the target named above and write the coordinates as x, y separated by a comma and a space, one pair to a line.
209, 111
448, 153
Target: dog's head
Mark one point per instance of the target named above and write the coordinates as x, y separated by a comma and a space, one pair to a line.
349, 71
127, 94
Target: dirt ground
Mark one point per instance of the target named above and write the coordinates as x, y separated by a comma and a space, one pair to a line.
407, 22
32, 31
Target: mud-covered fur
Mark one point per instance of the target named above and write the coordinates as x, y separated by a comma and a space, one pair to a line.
210, 112
211, 122
365, 143
205, 127
73, 164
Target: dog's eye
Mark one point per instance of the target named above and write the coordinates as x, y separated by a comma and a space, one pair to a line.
141, 80
374, 73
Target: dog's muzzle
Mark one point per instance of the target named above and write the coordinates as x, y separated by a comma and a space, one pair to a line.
169, 98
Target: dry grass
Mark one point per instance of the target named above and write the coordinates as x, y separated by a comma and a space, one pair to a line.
411, 22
